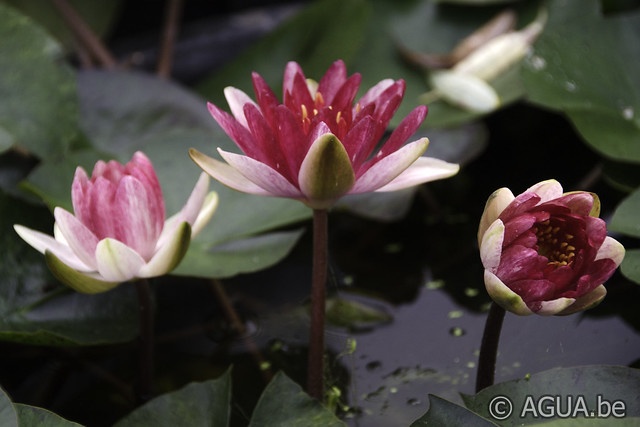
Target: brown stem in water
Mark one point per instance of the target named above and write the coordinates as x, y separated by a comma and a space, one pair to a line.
239, 328
84, 33
173, 13
315, 367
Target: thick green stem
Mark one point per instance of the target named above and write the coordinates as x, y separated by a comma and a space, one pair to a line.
489, 347
315, 368
146, 340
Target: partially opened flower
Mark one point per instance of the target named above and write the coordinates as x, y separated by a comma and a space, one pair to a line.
317, 145
545, 251
119, 231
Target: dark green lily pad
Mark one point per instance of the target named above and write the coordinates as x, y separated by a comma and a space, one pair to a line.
196, 404
284, 404
444, 413
39, 110
34, 416
586, 386
584, 65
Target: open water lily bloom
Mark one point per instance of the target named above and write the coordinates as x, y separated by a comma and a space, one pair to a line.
119, 231
545, 251
317, 145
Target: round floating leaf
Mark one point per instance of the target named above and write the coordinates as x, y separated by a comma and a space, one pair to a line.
630, 267
8, 414
444, 413
39, 109
34, 416
586, 65
625, 218
284, 404
590, 384
197, 404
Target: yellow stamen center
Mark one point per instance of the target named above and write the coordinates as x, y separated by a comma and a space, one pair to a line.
554, 244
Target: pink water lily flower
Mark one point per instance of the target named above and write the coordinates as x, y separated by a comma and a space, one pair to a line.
119, 231
545, 251
317, 145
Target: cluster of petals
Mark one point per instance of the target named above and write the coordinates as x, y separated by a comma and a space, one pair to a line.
318, 145
545, 251
119, 231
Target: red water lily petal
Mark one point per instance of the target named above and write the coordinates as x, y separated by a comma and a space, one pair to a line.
553, 252
278, 135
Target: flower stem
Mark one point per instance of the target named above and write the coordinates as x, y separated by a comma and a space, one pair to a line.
146, 340
315, 367
489, 347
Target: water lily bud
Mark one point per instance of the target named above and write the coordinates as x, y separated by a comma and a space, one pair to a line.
118, 231
545, 251
465, 90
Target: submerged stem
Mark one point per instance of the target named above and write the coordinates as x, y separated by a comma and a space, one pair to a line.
146, 340
489, 347
315, 368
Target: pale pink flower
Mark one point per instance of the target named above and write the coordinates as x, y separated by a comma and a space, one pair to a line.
118, 231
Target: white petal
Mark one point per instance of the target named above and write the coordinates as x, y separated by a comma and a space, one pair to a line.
226, 174
550, 308
390, 167
236, 100
465, 91
79, 238
206, 212
586, 301
496, 203
43, 242
491, 246
504, 296
425, 169
611, 248
169, 255
117, 262
261, 175
547, 190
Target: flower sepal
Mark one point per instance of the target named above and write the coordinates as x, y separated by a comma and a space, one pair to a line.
81, 282
326, 173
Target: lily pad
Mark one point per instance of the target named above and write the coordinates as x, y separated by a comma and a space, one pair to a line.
583, 65
99, 16
8, 414
196, 404
39, 110
284, 404
34, 416
581, 389
444, 413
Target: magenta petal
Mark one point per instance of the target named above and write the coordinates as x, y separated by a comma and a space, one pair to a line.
292, 142
238, 133
266, 98
133, 210
405, 129
332, 81
79, 198
343, 99
360, 142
